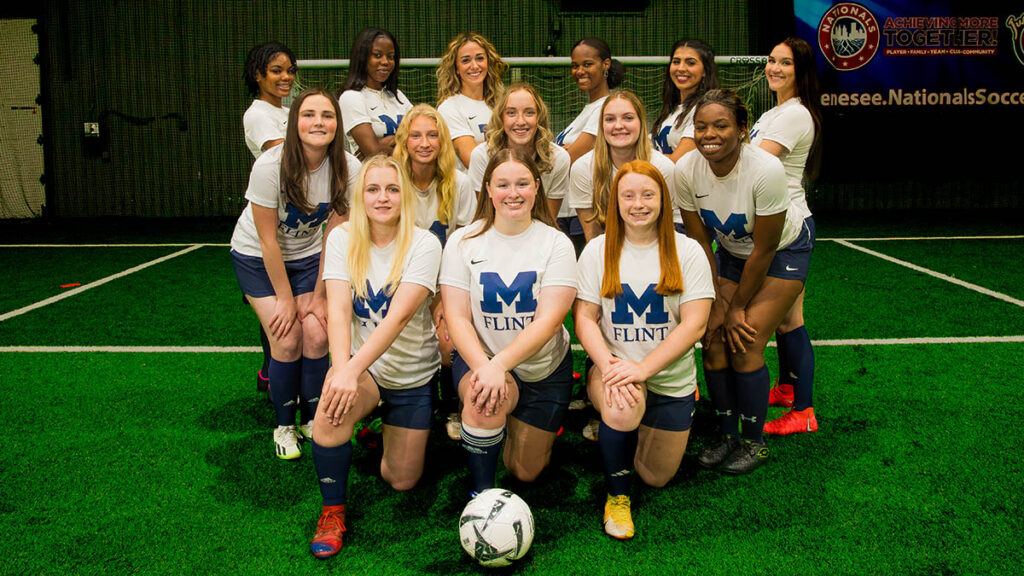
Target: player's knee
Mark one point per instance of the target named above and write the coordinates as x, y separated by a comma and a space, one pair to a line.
401, 482
482, 421
651, 478
328, 435
526, 472
619, 419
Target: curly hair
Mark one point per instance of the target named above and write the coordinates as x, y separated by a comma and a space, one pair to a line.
497, 139
448, 82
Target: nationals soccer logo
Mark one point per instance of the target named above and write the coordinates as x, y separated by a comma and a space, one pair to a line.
1016, 25
848, 36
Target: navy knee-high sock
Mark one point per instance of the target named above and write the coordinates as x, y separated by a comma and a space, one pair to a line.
617, 452
723, 399
265, 343
752, 399
332, 466
284, 389
784, 370
314, 370
799, 365
482, 450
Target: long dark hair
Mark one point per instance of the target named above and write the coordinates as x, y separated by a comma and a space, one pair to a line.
357, 58
670, 94
485, 206
295, 176
258, 60
616, 71
810, 96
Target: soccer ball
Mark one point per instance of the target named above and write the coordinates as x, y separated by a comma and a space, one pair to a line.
496, 528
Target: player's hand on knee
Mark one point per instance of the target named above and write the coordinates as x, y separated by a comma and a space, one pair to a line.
341, 391
285, 314
738, 332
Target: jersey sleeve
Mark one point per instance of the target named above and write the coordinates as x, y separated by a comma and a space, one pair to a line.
465, 200
454, 271
264, 183
581, 184
593, 122
457, 123
353, 109
589, 271
354, 166
424, 261
791, 127
688, 124
683, 175
771, 194
561, 265
336, 254
559, 179
696, 269
260, 128
477, 165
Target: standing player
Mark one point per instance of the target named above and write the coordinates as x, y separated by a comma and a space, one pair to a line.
277, 246
380, 271
791, 130
520, 123
691, 72
468, 86
645, 292
764, 250
444, 202
269, 74
507, 282
622, 138
371, 103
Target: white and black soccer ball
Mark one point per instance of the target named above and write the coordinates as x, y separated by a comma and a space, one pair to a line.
496, 528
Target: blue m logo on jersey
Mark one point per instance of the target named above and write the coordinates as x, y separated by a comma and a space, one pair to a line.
735, 224
390, 125
661, 142
754, 132
298, 223
650, 302
439, 230
560, 139
520, 292
375, 302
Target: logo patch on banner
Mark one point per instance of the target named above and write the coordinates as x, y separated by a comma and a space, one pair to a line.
848, 36
1016, 25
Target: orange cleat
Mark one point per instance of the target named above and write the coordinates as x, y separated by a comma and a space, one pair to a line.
793, 422
329, 529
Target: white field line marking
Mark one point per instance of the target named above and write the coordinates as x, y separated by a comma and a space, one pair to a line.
92, 285
575, 347
171, 245
920, 238
940, 276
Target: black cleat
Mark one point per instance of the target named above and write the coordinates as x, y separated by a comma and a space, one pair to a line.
746, 458
716, 453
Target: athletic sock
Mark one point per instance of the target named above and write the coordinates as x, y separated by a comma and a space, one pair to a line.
314, 370
265, 343
617, 451
723, 398
284, 389
482, 450
332, 471
799, 359
752, 399
448, 399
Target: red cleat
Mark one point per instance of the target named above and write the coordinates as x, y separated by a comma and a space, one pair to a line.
329, 529
781, 395
793, 422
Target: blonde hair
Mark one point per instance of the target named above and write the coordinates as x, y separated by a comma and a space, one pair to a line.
448, 82
671, 279
359, 243
444, 169
497, 139
603, 167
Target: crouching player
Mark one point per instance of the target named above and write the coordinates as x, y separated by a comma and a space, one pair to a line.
645, 293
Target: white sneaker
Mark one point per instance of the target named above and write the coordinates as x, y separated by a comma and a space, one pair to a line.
286, 443
454, 426
591, 428
306, 430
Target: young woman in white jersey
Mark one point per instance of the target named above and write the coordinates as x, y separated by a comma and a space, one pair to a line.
739, 191
507, 282
622, 138
645, 292
691, 72
444, 202
277, 250
372, 106
791, 130
520, 123
468, 87
269, 75
381, 272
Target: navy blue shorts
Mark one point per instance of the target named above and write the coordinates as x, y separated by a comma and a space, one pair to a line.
790, 263
570, 225
254, 281
541, 404
668, 412
407, 408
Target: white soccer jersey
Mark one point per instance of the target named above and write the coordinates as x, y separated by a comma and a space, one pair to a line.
556, 181
504, 276
413, 358
635, 322
669, 135
465, 117
587, 121
263, 122
581, 180
299, 234
379, 108
755, 186
789, 124
426, 208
